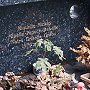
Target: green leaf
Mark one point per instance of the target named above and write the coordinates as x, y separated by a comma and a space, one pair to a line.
39, 67
29, 52
50, 42
42, 63
47, 64
58, 52
44, 68
54, 72
48, 48
38, 43
48, 45
37, 64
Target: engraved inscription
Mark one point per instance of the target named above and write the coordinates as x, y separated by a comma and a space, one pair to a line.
25, 35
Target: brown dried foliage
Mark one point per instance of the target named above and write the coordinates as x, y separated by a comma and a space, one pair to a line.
84, 49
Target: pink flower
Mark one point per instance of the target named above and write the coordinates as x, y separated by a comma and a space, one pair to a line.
81, 86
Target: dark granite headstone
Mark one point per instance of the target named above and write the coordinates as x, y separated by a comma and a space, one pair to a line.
12, 2
21, 25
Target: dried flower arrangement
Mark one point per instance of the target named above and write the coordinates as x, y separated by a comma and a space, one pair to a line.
53, 79
50, 77
84, 49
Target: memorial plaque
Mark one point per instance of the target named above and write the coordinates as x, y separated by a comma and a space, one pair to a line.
21, 25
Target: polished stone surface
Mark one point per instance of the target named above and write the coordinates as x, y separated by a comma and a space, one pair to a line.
12, 2
66, 31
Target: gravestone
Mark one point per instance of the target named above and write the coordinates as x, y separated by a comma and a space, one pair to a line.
21, 25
